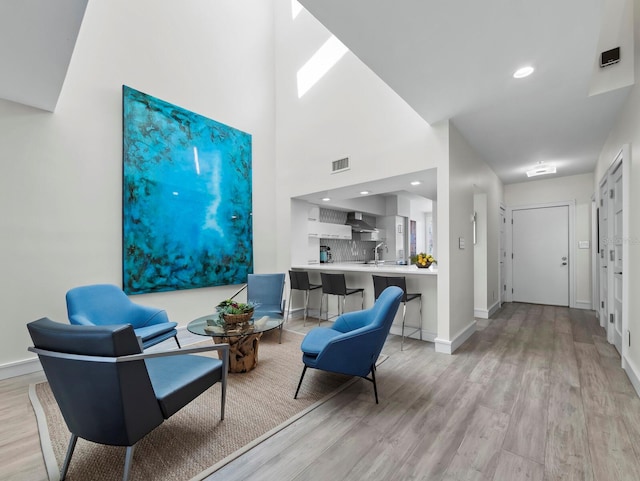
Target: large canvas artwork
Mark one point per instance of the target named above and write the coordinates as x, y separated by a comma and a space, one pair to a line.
186, 198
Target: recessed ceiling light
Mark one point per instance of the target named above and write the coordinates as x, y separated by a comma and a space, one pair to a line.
326, 199
523, 72
541, 169
365, 192
416, 182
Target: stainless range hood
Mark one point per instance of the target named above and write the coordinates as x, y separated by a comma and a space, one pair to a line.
354, 219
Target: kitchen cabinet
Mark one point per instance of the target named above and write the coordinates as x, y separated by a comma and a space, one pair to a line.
395, 238
326, 230
314, 213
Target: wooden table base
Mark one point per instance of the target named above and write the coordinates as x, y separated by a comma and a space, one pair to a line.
243, 351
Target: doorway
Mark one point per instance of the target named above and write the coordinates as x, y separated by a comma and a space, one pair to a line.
541, 254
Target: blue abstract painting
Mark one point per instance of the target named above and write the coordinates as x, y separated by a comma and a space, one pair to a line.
186, 198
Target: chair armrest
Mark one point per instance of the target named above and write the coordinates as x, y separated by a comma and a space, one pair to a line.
132, 357
350, 321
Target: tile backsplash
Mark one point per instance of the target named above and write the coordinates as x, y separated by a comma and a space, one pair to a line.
354, 250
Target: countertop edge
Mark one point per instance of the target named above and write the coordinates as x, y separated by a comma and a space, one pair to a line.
366, 268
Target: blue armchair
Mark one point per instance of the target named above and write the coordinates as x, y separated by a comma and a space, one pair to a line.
266, 290
109, 391
352, 345
106, 304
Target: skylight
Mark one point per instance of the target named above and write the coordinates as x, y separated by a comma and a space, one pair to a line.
296, 8
319, 64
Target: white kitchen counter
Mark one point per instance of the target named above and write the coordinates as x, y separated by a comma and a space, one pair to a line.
369, 268
423, 281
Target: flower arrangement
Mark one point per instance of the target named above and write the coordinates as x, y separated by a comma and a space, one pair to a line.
423, 260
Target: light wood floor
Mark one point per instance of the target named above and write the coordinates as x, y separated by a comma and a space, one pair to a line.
536, 394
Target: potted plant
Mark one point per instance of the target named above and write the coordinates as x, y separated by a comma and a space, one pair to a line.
233, 312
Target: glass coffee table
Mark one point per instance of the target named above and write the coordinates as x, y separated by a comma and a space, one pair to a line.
243, 339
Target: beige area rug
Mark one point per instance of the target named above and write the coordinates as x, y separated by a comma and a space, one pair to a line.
193, 443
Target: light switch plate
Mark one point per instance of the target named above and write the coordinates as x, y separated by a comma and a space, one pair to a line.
460, 242
583, 244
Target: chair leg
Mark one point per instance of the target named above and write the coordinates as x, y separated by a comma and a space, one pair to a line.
177, 342
373, 378
304, 370
67, 458
288, 306
306, 304
280, 338
420, 318
128, 460
404, 313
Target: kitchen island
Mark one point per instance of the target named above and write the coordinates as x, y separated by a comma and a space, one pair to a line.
359, 274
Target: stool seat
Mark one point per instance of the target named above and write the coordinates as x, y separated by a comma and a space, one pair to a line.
380, 283
336, 285
299, 280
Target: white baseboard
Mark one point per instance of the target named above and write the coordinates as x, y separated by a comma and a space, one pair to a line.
486, 313
449, 347
584, 305
632, 374
426, 335
19, 368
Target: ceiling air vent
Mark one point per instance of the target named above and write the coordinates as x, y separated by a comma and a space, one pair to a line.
340, 165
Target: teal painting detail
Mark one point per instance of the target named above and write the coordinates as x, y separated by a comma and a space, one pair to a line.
187, 219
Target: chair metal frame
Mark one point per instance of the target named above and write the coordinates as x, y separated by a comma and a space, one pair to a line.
336, 285
223, 348
299, 280
380, 283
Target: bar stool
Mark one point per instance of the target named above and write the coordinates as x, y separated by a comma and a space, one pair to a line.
336, 285
380, 283
299, 280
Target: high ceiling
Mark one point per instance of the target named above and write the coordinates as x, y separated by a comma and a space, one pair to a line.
37, 38
448, 60
455, 60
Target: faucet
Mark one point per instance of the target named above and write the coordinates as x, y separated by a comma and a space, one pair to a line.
376, 256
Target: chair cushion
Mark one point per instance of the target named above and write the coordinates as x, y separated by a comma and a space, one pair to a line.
154, 330
317, 339
177, 380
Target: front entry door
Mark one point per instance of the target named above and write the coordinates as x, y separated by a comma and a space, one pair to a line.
541, 255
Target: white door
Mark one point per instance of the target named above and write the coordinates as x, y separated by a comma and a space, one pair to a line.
615, 256
541, 255
604, 254
503, 257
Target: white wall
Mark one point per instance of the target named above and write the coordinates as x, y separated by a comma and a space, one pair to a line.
467, 175
60, 188
627, 131
350, 112
578, 188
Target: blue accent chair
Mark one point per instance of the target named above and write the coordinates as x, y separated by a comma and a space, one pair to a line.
109, 391
352, 345
106, 304
266, 291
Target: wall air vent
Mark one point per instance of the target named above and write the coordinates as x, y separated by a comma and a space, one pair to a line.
340, 165
610, 57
